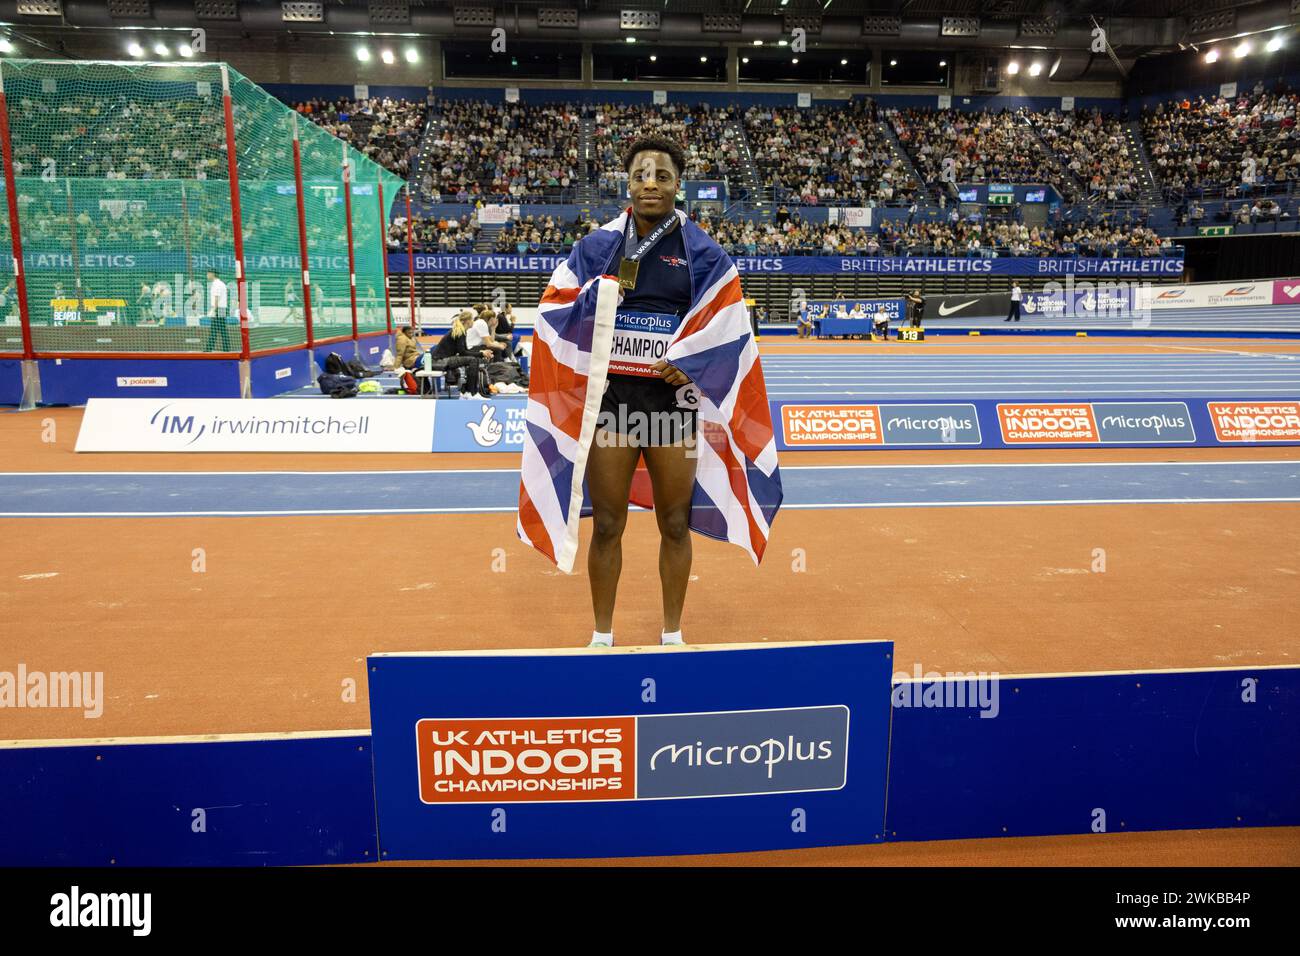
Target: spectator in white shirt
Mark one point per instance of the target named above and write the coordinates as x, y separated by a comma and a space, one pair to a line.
479, 336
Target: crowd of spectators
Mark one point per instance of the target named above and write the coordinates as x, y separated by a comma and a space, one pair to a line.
950, 146
944, 237
1225, 146
503, 152
701, 131
543, 234
386, 130
993, 239
826, 156
1094, 149
443, 234
118, 136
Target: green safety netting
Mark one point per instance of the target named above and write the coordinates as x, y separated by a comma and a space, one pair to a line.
123, 185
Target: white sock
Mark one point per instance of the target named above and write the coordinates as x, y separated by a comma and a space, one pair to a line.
602, 639
671, 638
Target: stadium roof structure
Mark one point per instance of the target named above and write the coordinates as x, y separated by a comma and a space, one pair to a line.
1133, 27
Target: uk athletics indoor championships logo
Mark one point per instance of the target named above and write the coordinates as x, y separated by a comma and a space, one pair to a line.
658, 756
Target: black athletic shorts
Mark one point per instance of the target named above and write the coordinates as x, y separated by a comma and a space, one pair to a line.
648, 411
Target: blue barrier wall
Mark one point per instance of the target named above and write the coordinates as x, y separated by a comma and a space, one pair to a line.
273, 374
11, 381
267, 802
1062, 754
73, 381
1156, 751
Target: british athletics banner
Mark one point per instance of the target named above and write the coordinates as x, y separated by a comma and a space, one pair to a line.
823, 265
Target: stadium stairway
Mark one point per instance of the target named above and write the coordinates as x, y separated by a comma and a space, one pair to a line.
486, 240
417, 174
1148, 189
747, 175
1067, 176
930, 191
585, 190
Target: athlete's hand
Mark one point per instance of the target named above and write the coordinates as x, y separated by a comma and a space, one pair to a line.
670, 373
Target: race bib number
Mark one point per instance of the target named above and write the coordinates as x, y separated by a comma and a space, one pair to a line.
640, 340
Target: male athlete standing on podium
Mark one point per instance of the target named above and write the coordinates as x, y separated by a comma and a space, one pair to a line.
681, 358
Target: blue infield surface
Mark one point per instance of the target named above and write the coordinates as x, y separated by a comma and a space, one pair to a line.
247, 494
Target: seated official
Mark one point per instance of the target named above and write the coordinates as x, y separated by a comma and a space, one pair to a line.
803, 326
880, 323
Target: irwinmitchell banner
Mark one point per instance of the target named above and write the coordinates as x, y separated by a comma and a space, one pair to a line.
248, 425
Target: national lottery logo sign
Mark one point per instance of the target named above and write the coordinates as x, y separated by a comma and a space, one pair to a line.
654, 757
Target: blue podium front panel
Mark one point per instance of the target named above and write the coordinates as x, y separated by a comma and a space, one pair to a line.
626, 752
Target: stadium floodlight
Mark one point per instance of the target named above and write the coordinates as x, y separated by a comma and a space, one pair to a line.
1242, 49
654, 58
1274, 45
844, 62
1212, 56
162, 49
782, 42
363, 54
630, 40
795, 61
387, 57
6, 45
135, 49
184, 49
943, 63
758, 43
1035, 69
744, 59
412, 55
1013, 67
704, 59
893, 63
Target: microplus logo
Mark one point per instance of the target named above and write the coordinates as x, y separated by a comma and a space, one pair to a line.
83, 690
744, 752
74, 908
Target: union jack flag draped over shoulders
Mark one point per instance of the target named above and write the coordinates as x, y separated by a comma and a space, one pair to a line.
737, 482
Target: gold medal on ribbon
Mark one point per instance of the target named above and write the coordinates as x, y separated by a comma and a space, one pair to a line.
627, 270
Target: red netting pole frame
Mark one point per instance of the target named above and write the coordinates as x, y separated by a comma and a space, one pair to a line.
383, 254
410, 251
15, 236
236, 217
352, 261
302, 239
